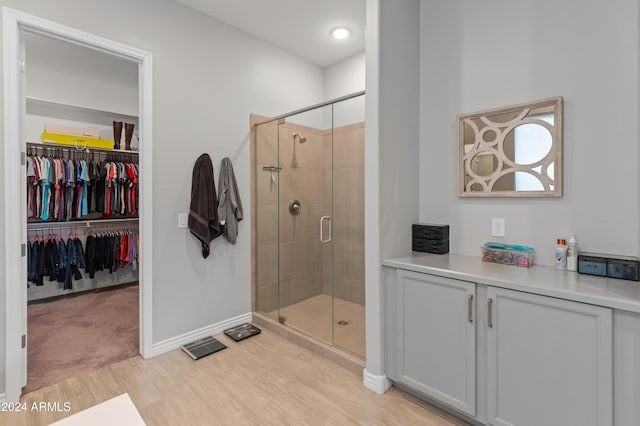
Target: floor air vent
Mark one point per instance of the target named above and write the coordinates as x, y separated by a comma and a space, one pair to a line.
203, 347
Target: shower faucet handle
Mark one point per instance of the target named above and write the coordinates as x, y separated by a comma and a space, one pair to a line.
295, 207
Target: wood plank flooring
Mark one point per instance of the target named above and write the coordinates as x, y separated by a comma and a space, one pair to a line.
264, 380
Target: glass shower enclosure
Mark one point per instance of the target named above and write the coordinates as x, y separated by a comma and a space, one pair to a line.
309, 222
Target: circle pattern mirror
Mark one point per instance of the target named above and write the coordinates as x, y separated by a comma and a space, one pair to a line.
514, 151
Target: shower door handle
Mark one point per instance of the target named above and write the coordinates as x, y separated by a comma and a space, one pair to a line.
322, 219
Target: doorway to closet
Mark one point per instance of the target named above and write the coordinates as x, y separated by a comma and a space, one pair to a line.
79, 202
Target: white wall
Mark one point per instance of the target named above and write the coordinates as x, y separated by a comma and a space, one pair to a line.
391, 150
477, 55
344, 78
208, 78
100, 81
50, 84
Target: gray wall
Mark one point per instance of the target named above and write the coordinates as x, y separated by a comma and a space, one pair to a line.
477, 55
208, 78
391, 149
344, 78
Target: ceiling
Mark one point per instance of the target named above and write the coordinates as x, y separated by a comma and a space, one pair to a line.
300, 26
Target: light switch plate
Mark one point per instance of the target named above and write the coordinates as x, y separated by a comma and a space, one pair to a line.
182, 220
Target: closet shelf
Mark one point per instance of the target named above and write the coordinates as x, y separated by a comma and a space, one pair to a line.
48, 108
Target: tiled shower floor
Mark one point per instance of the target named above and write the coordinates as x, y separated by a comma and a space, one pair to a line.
313, 316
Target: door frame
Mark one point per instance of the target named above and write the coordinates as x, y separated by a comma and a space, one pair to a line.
13, 22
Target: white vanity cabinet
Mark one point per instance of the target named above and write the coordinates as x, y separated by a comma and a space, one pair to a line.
549, 361
520, 355
436, 338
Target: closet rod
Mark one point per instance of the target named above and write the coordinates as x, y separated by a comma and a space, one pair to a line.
309, 108
102, 227
39, 145
78, 224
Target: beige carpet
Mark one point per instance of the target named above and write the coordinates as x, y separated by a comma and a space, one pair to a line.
313, 316
80, 332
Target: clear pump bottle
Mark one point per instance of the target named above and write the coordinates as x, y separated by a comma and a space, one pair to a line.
572, 254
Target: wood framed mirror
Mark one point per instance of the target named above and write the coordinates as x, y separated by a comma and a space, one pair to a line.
513, 151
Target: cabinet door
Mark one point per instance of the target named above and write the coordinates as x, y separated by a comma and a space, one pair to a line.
436, 338
549, 361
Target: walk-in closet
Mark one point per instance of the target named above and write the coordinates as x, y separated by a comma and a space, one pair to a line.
81, 197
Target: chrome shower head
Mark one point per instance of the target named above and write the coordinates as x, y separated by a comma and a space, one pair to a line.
301, 139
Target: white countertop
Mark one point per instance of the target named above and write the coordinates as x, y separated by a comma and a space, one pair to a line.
543, 280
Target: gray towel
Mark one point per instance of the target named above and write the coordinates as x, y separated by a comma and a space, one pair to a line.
203, 212
230, 208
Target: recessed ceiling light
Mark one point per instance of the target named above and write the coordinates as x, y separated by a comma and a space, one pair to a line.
340, 33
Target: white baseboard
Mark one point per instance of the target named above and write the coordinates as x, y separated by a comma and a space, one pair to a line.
175, 342
378, 384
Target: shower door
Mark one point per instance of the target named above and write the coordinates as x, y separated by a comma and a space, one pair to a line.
309, 225
305, 217
348, 225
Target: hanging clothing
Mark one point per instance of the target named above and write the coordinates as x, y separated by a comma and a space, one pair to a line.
118, 188
230, 207
62, 261
134, 250
100, 176
60, 189
76, 258
44, 267
44, 178
64, 270
203, 211
91, 256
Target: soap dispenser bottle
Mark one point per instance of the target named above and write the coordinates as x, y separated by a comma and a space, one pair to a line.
572, 254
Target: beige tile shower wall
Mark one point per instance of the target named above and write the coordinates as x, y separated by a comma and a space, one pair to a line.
348, 213
308, 267
301, 179
266, 219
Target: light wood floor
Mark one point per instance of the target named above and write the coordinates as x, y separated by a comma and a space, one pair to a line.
313, 316
264, 380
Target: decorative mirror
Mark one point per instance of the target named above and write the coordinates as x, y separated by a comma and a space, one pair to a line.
514, 151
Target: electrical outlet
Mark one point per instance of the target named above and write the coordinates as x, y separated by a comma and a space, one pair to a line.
497, 227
